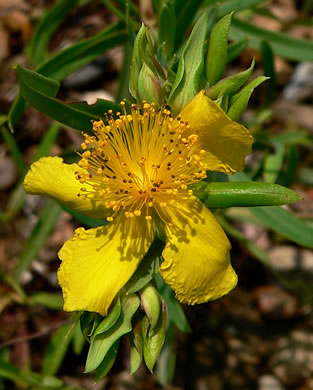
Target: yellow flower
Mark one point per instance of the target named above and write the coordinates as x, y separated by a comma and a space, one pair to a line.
135, 172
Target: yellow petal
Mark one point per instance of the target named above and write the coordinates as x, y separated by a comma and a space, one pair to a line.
97, 263
226, 142
51, 177
197, 260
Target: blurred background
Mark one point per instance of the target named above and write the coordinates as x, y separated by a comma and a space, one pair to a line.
260, 336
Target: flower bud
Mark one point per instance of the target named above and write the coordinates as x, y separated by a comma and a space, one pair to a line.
151, 303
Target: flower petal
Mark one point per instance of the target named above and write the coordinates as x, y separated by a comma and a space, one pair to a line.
197, 260
226, 142
96, 263
50, 176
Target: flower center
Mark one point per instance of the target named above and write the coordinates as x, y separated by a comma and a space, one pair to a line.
140, 161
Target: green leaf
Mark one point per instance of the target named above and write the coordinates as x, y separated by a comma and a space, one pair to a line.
225, 7
28, 379
36, 89
231, 84
273, 163
167, 27
82, 53
149, 267
285, 46
107, 363
78, 340
68, 60
103, 342
47, 220
299, 137
44, 30
190, 67
239, 102
217, 54
51, 300
280, 220
110, 319
230, 194
56, 350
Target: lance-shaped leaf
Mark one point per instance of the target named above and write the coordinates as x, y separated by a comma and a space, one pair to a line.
136, 63
40, 91
102, 343
107, 362
190, 67
231, 194
239, 102
110, 319
231, 84
47, 26
167, 27
217, 55
68, 60
283, 45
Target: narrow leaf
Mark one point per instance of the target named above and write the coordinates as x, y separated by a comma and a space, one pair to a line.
239, 102
56, 350
44, 30
186, 84
107, 362
103, 342
285, 46
231, 194
77, 115
217, 54
110, 319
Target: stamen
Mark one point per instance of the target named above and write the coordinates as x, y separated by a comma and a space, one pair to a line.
139, 161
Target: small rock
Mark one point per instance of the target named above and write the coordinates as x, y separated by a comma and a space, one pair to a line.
300, 86
293, 362
87, 75
292, 262
8, 172
91, 97
274, 302
299, 114
269, 382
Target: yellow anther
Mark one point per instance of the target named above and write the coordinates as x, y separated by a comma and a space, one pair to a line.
137, 213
